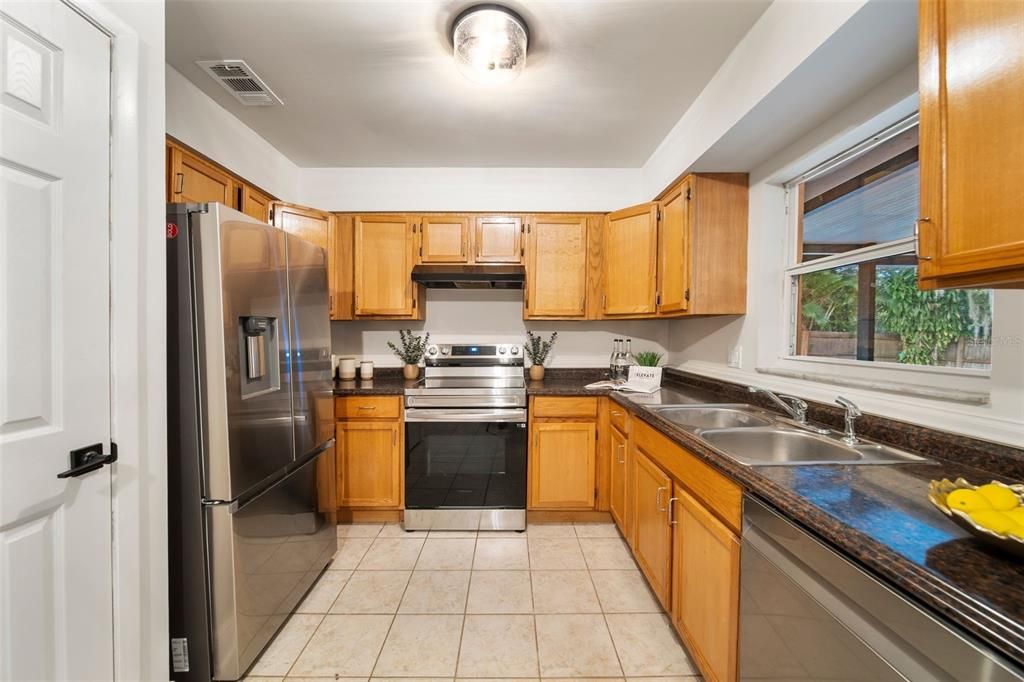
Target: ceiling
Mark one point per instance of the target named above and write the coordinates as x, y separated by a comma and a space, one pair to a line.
373, 83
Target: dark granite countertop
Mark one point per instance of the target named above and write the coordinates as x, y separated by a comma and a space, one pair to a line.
880, 517
386, 381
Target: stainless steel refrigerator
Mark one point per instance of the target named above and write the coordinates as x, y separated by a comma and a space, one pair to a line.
251, 434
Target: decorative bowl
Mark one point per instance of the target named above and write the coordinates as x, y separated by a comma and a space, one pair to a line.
938, 491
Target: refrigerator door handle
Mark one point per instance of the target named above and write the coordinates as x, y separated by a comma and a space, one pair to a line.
232, 505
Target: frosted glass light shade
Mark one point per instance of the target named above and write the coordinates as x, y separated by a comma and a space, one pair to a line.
489, 43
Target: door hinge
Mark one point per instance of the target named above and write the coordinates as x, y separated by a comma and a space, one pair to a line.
658, 217
414, 303
686, 295
657, 298
688, 190
271, 216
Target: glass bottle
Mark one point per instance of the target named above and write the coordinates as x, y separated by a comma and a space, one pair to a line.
611, 359
621, 364
630, 360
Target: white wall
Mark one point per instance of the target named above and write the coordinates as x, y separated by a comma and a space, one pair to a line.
204, 125
497, 317
471, 189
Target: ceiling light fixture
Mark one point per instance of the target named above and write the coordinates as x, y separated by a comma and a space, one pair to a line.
489, 43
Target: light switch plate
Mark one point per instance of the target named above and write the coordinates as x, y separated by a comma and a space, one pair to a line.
736, 356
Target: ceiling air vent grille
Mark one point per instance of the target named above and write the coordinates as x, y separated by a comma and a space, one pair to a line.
241, 81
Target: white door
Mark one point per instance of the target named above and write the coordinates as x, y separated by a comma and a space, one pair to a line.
56, 593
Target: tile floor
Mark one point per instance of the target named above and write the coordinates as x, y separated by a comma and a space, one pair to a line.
559, 601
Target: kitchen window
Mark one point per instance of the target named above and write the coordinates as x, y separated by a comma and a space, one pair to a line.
853, 277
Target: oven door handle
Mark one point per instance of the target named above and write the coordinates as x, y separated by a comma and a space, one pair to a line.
465, 415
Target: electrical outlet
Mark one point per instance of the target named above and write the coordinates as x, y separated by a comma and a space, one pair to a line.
736, 356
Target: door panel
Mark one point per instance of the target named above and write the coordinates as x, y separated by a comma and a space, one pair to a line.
195, 181
617, 499
56, 593
562, 465
630, 248
498, 240
369, 464
255, 203
556, 267
383, 265
652, 535
307, 223
444, 239
674, 251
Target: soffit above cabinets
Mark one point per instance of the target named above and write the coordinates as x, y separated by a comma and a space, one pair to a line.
369, 83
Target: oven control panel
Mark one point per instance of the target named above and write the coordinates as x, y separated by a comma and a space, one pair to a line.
476, 354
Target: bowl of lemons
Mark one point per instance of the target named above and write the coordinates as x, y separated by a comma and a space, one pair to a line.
991, 512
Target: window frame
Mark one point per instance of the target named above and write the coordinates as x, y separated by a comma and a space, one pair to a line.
793, 268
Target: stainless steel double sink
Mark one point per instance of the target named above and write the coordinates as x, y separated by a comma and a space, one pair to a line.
756, 437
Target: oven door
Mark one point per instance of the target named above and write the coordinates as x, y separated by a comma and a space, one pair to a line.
465, 459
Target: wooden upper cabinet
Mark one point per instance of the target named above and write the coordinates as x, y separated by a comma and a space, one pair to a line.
629, 247
383, 260
255, 203
971, 135
556, 267
498, 239
190, 179
444, 239
674, 250
706, 586
308, 223
562, 465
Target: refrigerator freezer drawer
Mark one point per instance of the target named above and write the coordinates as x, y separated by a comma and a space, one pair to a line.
264, 557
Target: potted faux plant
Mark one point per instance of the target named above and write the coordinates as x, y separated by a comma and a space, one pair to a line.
649, 360
537, 350
411, 352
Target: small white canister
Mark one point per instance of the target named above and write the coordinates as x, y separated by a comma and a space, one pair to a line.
347, 368
366, 370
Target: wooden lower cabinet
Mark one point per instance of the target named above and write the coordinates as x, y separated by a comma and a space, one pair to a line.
617, 499
369, 453
706, 585
562, 465
652, 534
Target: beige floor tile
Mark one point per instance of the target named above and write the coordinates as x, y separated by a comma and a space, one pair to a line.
575, 646
500, 592
279, 656
322, 595
606, 553
450, 534
498, 646
251, 678
389, 554
436, 592
501, 554
346, 646
332, 678
498, 679
564, 592
492, 534
395, 530
359, 530
350, 553
551, 530
372, 592
670, 678
597, 530
421, 646
624, 592
555, 553
415, 679
446, 554
584, 679
647, 645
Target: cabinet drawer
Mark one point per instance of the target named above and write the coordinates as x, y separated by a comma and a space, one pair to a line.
368, 407
547, 406
619, 417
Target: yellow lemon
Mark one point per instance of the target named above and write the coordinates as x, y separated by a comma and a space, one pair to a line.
995, 521
1017, 514
999, 497
967, 500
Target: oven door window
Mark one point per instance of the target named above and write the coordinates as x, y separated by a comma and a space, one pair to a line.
465, 465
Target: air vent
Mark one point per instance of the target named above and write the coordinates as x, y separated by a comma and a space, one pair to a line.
241, 81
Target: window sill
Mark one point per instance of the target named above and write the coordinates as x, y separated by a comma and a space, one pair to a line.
960, 396
891, 366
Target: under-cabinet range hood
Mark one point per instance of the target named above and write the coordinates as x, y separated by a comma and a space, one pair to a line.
458, 276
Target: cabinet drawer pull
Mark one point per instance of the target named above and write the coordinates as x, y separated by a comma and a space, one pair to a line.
671, 517
367, 407
657, 499
616, 413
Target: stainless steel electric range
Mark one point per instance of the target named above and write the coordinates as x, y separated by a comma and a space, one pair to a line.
466, 440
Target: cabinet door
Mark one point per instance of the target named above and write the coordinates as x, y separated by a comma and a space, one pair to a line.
617, 504
444, 239
383, 265
556, 267
498, 239
308, 223
562, 465
629, 251
707, 584
674, 251
972, 131
369, 464
194, 180
652, 535
255, 203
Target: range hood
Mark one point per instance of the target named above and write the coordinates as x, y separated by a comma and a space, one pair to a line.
458, 276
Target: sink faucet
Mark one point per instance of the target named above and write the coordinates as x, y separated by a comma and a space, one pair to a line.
852, 412
793, 406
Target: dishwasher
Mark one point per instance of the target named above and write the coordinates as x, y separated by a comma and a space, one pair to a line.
807, 613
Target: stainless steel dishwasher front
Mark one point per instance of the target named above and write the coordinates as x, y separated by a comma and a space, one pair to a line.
808, 613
